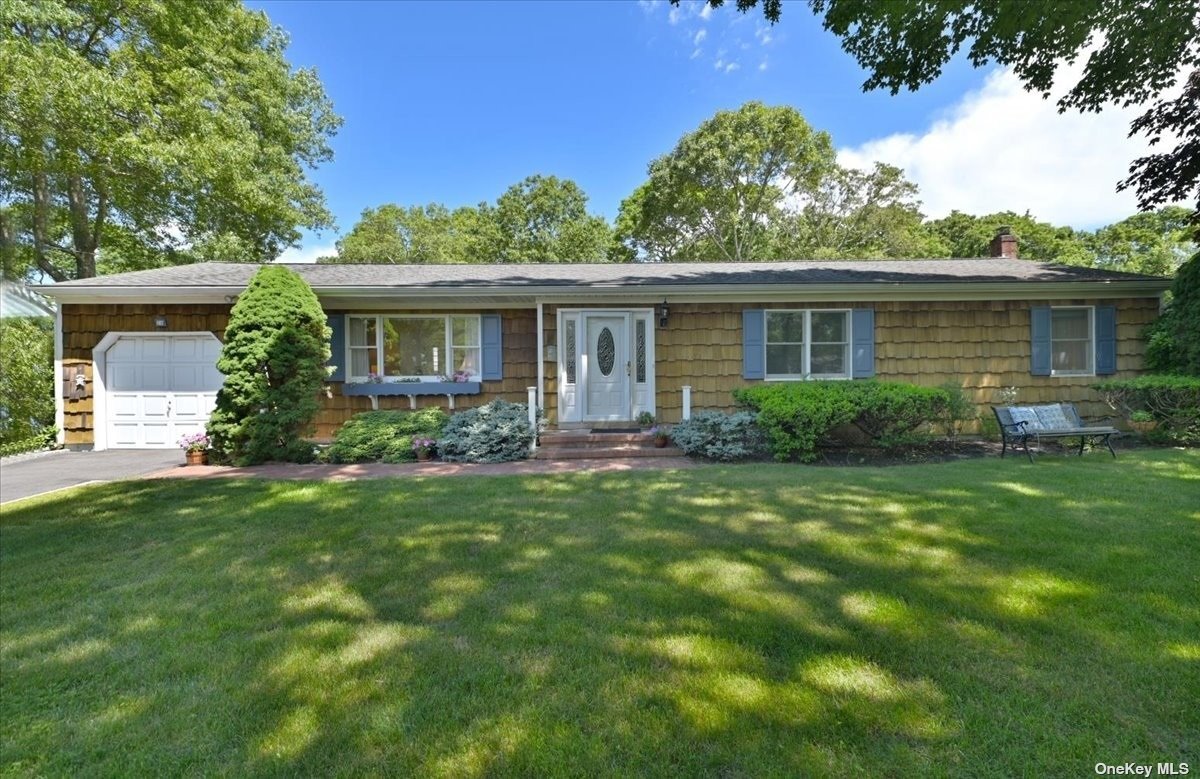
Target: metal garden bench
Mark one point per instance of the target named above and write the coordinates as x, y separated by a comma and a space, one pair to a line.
1021, 424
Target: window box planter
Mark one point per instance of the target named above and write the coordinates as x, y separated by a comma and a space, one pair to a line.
412, 389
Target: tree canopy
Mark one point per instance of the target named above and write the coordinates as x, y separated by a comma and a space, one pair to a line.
539, 219
166, 129
1131, 52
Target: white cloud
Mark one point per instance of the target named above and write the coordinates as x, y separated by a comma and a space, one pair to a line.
732, 66
706, 12
763, 65
675, 14
700, 36
1002, 148
307, 255
696, 52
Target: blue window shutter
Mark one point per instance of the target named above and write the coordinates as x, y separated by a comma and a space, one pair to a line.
1039, 331
754, 332
337, 347
863, 327
1106, 340
493, 363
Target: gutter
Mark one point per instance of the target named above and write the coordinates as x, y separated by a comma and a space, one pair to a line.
849, 292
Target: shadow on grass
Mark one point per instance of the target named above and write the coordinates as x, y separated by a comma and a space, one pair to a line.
966, 618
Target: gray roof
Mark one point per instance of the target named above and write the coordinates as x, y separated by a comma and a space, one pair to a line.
608, 275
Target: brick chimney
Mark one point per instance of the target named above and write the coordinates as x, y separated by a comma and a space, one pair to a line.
1004, 244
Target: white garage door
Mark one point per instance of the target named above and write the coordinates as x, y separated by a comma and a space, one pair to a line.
160, 387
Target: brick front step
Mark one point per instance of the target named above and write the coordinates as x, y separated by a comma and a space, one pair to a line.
604, 452
585, 438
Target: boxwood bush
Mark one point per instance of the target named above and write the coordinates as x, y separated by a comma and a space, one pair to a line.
1172, 401
800, 417
717, 436
495, 433
384, 436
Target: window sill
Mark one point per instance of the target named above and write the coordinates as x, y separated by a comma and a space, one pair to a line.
412, 388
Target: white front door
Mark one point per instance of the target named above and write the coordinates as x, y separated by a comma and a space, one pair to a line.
160, 388
606, 367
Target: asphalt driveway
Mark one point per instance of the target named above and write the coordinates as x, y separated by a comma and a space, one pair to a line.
56, 470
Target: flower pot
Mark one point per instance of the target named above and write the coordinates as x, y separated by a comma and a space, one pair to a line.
196, 457
424, 456
661, 443
1143, 426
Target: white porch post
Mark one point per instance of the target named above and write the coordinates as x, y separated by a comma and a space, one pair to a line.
533, 415
541, 355
60, 403
687, 402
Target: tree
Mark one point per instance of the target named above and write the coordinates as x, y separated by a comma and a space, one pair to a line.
545, 219
1174, 339
855, 214
965, 235
1153, 242
540, 219
276, 347
26, 377
716, 194
1132, 52
177, 122
395, 234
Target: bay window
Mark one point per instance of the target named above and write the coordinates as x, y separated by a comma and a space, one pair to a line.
423, 347
808, 344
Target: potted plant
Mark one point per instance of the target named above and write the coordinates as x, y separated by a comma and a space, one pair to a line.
195, 448
661, 439
645, 419
1142, 421
424, 448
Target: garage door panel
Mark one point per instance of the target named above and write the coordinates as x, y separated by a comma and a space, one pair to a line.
160, 388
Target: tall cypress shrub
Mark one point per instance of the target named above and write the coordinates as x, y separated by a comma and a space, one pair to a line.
274, 356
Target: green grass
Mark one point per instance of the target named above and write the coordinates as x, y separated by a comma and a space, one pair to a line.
965, 619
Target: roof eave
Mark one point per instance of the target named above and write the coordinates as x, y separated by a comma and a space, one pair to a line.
856, 291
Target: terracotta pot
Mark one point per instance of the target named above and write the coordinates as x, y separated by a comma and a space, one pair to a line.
423, 456
1143, 426
661, 442
196, 457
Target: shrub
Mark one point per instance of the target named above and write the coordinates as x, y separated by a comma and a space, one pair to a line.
1174, 340
43, 439
495, 433
799, 417
26, 377
1172, 401
958, 411
384, 436
717, 436
274, 356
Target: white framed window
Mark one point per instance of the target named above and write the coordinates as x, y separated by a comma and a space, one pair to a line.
1072, 341
807, 344
414, 346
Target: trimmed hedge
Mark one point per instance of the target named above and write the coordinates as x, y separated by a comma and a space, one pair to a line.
1172, 401
800, 417
495, 433
717, 436
384, 436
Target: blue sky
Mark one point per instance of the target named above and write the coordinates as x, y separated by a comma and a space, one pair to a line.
453, 102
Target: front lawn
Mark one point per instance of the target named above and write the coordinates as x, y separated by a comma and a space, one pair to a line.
974, 618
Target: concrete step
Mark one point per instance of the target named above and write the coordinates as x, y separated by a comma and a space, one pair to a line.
583, 437
604, 453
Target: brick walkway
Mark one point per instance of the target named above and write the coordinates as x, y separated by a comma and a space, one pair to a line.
381, 470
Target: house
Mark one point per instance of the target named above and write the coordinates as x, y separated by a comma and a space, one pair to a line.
602, 343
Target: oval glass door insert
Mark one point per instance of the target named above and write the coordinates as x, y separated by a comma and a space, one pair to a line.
606, 351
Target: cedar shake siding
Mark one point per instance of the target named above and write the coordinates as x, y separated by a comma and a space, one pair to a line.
984, 345
85, 325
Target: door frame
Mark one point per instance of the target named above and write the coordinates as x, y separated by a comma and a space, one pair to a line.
100, 374
580, 315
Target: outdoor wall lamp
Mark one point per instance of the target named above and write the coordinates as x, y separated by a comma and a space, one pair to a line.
663, 314
160, 323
